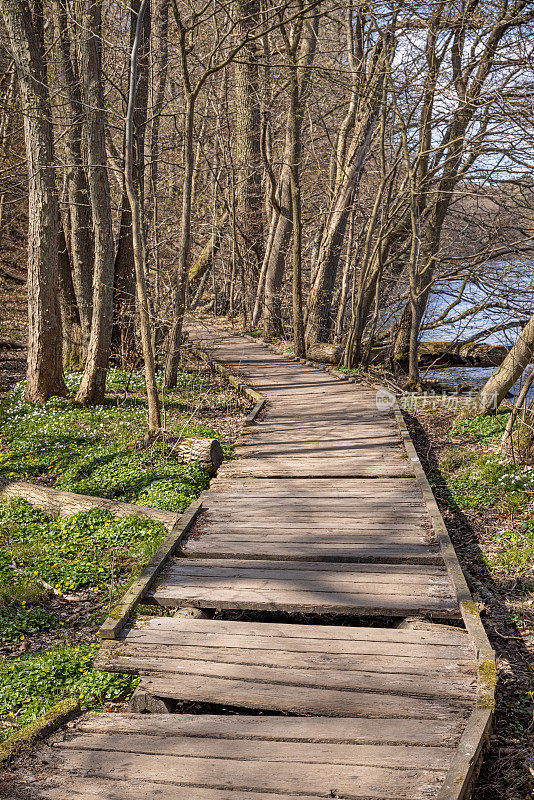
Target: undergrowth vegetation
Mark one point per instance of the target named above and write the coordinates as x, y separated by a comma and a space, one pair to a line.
99, 451
30, 686
59, 576
44, 561
479, 476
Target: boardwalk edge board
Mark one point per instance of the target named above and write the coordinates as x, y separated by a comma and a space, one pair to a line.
463, 770
120, 615
475, 739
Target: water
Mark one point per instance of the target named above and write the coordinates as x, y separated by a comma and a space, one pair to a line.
511, 284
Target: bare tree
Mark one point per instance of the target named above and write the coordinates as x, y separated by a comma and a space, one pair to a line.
93, 384
45, 372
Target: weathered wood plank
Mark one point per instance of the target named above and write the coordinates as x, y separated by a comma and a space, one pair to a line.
289, 729
457, 687
265, 776
436, 640
85, 788
398, 756
138, 655
252, 573
358, 603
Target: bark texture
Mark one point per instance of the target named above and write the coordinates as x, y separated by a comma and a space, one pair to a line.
45, 371
93, 384
249, 194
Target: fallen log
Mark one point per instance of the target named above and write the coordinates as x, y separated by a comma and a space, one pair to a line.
324, 353
56, 501
451, 354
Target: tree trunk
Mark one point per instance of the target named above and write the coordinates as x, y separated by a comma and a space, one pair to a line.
175, 336
159, 60
320, 299
276, 257
44, 372
282, 222
507, 441
93, 384
123, 336
345, 282
154, 419
80, 222
70, 317
298, 318
249, 171
499, 384
347, 182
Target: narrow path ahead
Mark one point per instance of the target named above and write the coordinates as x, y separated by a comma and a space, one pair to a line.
325, 514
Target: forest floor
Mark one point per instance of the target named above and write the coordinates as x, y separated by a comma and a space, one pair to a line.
60, 576
487, 504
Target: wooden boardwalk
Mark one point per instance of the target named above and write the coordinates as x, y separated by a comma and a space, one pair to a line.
325, 513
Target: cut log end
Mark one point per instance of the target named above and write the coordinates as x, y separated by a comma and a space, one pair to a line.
208, 452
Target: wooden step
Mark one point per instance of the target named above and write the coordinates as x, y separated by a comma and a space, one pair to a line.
183, 757
313, 587
312, 669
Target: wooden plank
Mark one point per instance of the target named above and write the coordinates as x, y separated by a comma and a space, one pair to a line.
334, 555
466, 759
254, 572
252, 776
394, 570
135, 654
350, 730
397, 541
425, 555
300, 525
315, 450
358, 603
121, 613
285, 518
440, 654
312, 467
435, 636
291, 583
310, 486
399, 756
111, 788
457, 687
